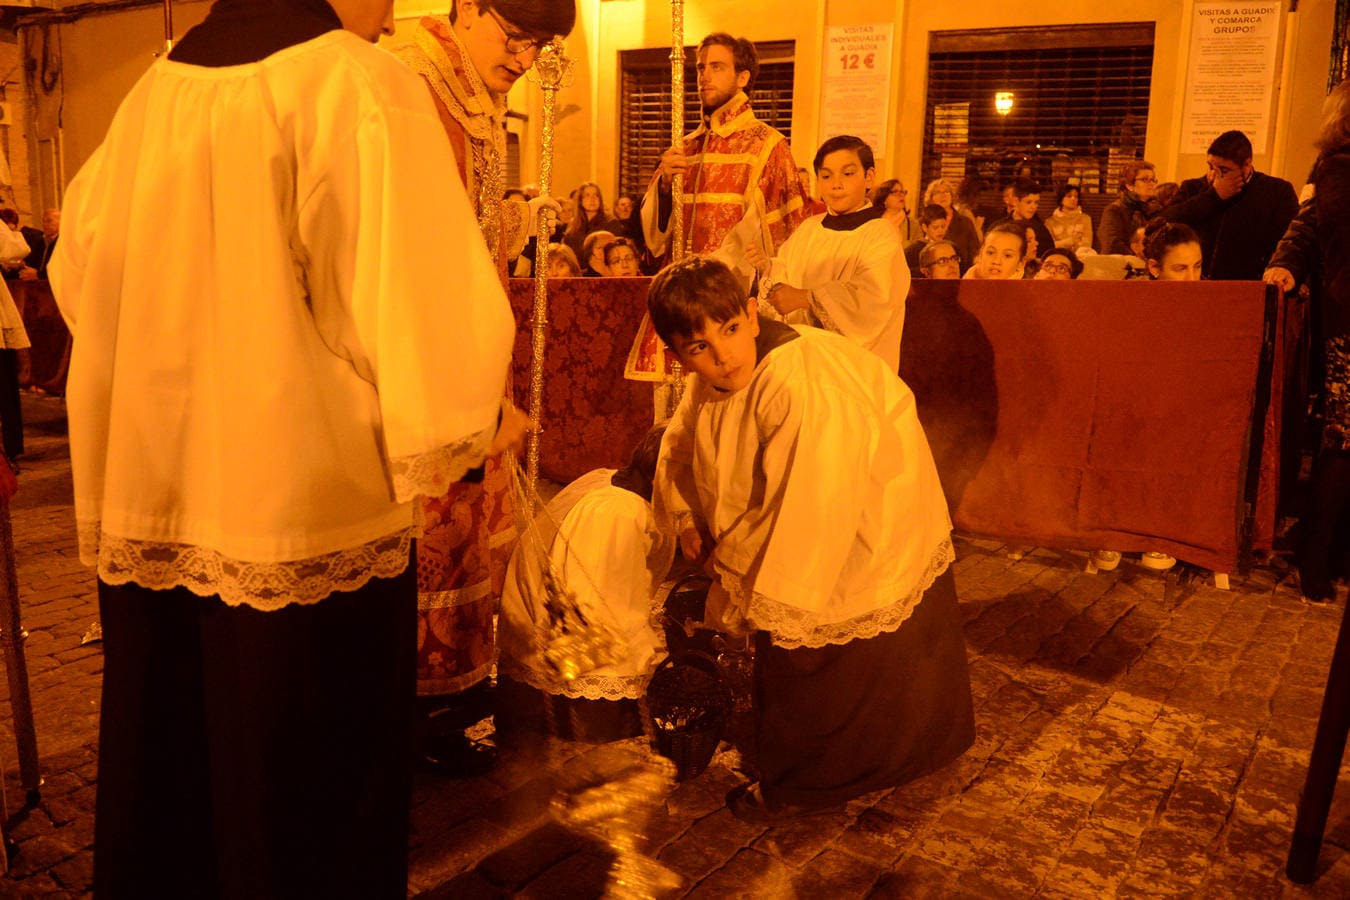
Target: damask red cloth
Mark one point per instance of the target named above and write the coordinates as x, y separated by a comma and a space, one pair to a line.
1092, 414
592, 416
469, 532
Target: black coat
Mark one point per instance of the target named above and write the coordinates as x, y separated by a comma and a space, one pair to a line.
1316, 247
1239, 234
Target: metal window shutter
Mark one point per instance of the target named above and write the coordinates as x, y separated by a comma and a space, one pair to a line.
1080, 105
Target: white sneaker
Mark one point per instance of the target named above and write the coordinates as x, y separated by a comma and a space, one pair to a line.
1158, 562
1105, 560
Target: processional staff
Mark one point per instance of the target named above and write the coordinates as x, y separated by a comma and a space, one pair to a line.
168, 26
677, 181
551, 71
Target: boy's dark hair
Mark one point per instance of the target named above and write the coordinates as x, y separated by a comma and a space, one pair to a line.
620, 242
638, 475
1233, 146
1017, 231
844, 142
9, 216
931, 213
1064, 192
692, 291
1160, 235
1025, 187
538, 18
743, 53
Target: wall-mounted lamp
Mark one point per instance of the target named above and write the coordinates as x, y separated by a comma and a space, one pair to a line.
1003, 102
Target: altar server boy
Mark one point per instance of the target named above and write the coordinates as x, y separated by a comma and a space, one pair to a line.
843, 270
797, 459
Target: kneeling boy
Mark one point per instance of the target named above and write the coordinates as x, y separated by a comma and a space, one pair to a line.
798, 454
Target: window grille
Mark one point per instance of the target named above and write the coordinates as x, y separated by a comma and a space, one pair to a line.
1079, 104
644, 104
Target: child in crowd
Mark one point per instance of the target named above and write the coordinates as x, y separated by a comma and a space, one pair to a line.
1172, 253
562, 262
1026, 203
933, 224
1059, 264
796, 457
1001, 253
598, 534
841, 270
1070, 227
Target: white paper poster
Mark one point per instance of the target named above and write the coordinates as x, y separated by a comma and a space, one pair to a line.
855, 90
1230, 82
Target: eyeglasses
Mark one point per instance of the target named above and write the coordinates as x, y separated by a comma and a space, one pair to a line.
1146, 179
1056, 268
943, 261
515, 41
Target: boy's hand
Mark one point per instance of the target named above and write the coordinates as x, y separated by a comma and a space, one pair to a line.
673, 162
691, 543
1279, 276
785, 298
515, 425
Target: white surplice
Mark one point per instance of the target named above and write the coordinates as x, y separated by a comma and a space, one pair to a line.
603, 541
858, 281
818, 488
268, 370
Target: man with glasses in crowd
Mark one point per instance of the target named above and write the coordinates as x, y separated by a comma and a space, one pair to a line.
469, 63
1239, 213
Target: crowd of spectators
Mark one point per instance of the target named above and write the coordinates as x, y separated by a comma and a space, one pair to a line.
1238, 213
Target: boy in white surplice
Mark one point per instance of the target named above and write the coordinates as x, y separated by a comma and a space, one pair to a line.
797, 457
843, 270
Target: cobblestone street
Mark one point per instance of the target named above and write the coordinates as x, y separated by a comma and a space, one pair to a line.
1138, 735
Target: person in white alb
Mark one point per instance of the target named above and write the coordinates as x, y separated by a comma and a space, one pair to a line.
252, 267
841, 270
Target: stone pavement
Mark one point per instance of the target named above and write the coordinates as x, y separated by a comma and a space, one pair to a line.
1138, 735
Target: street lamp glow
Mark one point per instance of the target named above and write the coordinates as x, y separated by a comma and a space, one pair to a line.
1003, 102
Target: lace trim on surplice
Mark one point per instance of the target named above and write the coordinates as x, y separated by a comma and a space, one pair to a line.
583, 687
264, 586
793, 628
431, 474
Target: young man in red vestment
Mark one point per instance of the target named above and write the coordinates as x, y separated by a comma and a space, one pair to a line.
469, 63
717, 195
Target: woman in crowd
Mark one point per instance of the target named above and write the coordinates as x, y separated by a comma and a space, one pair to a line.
1138, 184
960, 230
1317, 241
591, 216
1000, 255
890, 196
1069, 225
